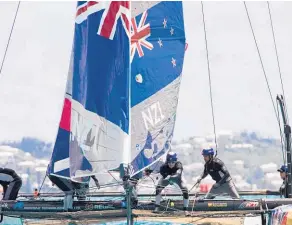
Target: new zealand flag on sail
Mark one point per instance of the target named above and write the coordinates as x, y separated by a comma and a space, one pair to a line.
95, 119
100, 91
157, 55
98, 84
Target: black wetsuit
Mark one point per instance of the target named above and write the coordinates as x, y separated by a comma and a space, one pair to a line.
176, 177
219, 173
284, 189
11, 183
69, 186
217, 170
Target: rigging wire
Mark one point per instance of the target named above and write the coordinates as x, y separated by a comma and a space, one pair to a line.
209, 75
260, 57
277, 56
280, 74
42, 183
7, 45
267, 82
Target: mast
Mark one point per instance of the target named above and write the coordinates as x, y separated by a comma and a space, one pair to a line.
287, 132
125, 175
129, 206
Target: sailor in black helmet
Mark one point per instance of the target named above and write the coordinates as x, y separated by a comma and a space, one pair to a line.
284, 187
218, 171
171, 173
11, 183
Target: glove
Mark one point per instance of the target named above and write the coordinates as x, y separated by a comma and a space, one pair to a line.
216, 185
147, 172
167, 178
126, 177
97, 184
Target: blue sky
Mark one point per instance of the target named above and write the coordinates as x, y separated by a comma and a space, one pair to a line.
33, 80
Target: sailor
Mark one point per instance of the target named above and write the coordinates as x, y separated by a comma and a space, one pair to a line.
218, 171
171, 173
11, 183
284, 187
36, 193
70, 187
131, 184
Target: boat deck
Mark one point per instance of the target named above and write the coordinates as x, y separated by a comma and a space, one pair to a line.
83, 217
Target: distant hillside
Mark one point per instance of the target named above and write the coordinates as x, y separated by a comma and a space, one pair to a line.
38, 148
251, 159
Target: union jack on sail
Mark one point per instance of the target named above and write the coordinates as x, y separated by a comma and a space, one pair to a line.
139, 34
113, 10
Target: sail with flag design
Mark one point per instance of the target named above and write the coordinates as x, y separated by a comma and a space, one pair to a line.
102, 86
100, 91
157, 54
60, 163
96, 111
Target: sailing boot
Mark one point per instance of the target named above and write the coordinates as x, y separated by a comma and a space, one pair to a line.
156, 209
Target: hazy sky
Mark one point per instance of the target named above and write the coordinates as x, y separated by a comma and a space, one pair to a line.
32, 83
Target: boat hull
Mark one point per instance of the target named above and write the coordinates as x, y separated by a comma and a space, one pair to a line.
169, 205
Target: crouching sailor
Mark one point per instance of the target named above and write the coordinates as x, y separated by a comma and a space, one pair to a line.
218, 171
171, 173
284, 187
11, 183
70, 187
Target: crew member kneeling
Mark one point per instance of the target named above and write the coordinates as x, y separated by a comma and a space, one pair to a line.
171, 173
11, 183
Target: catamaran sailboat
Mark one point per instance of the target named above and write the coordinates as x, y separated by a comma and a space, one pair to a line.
119, 110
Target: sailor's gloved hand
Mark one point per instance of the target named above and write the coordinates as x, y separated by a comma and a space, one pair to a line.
167, 178
126, 177
216, 185
147, 172
97, 184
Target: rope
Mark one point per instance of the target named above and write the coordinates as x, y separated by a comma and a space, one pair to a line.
42, 184
209, 75
9, 38
278, 61
261, 61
